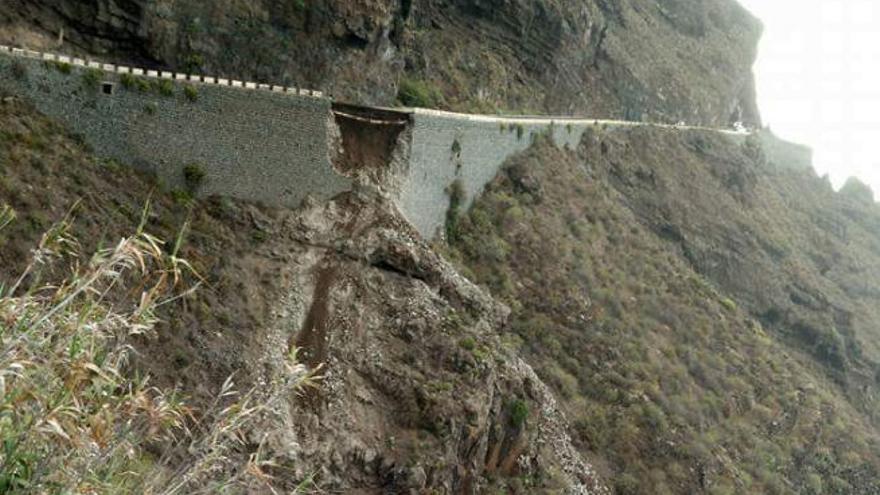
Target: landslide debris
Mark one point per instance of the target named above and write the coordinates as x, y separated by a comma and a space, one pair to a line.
419, 393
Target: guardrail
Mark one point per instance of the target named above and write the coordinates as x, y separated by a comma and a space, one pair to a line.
156, 74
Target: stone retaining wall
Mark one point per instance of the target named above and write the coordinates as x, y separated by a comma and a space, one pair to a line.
278, 144
251, 141
470, 149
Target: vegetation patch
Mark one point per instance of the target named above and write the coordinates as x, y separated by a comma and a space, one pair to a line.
417, 93
164, 87
91, 78
457, 197
630, 337
193, 176
518, 411
191, 92
62, 67
468, 343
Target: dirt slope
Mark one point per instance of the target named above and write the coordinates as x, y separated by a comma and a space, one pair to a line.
707, 318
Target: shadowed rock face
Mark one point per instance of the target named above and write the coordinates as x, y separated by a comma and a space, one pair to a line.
637, 59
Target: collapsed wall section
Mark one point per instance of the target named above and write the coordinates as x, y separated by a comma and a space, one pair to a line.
231, 138
374, 142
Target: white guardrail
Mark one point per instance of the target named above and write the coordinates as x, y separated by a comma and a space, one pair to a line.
137, 71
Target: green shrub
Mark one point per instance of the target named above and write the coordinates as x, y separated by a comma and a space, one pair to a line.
191, 93
193, 62
62, 67
150, 108
182, 196
729, 304
415, 93
520, 131
193, 176
518, 411
92, 77
164, 87
128, 81
457, 196
468, 343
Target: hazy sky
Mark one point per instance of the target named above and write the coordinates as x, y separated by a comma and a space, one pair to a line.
818, 75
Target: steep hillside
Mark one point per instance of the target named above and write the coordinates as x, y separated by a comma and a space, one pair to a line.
672, 60
418, 392
707, 319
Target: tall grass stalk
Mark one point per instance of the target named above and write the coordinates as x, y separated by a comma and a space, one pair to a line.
74, 418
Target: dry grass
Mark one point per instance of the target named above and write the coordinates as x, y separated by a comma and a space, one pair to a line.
74, 418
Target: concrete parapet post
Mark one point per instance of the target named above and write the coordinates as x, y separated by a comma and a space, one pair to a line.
49, 57
223, 82
63, 59
91, 64
122, 69
236, 84
166, 75
137, 72
250, 85
152, 73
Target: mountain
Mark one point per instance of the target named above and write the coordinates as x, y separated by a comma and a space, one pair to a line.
705, 316
654, 310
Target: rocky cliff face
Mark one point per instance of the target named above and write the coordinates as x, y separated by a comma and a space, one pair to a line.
671, 61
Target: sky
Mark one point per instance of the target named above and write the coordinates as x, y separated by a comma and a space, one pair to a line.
818, 81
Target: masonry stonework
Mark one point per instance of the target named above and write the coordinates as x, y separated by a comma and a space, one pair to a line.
278, 145
252, 144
